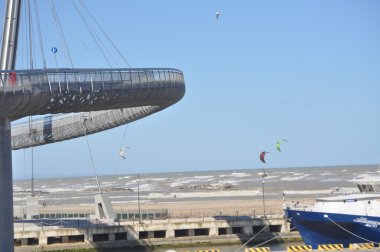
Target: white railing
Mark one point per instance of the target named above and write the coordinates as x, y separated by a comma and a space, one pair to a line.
297, 206
66, 79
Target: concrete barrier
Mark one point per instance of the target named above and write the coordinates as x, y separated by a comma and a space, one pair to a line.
355, 246
299, 248
154, 232
328, 247
210, 250
259, 249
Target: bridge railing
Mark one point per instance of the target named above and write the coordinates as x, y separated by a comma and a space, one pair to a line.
58, 80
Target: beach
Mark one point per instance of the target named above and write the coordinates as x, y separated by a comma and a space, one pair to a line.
193, 208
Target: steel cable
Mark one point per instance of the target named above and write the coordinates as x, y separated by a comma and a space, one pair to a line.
39, 34
62, 35
92, 34
105, 34
364, 239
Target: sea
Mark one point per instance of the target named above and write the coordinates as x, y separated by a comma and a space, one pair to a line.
196, 185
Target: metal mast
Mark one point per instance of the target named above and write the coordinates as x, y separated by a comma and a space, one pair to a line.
7, 62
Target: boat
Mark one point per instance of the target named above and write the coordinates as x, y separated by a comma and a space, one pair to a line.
340, 219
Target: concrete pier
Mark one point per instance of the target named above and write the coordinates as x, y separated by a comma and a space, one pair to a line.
31, 237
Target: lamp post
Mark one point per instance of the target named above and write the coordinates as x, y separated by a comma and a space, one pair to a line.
138, 197
263, 175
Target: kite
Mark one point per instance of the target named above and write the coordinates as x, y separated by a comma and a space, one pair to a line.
262, 156
217, 14
122, 152
278, 144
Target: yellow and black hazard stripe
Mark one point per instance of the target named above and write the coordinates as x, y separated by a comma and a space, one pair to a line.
355, 246
210, 250
258, 249
299, 248
327, 247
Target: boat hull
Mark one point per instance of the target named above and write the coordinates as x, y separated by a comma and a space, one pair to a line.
331, 228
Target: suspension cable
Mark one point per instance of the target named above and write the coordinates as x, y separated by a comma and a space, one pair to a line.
91, 33
23, 200
62, 35
271, 239
30, 36
92, 159
40, 34
364, 239
32, 135
253, 237
23, 36
105, 34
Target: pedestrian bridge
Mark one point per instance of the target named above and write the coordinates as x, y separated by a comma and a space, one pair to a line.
100, 98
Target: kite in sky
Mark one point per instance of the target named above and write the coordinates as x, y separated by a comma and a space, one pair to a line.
278, 144
262, 156
218, 13
122, 152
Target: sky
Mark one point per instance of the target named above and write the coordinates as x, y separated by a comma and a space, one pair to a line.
305, 71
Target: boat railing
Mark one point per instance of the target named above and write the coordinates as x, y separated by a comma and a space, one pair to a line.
297, 206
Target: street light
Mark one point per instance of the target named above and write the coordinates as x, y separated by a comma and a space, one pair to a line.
263, 175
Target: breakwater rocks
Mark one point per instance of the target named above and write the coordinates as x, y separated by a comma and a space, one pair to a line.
109, 189
208, 187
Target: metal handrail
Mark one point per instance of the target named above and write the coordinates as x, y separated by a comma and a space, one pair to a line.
15, 80
297, 206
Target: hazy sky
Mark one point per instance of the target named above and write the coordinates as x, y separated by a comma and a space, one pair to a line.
306, 71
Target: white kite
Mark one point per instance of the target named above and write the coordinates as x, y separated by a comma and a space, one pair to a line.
122, 152
218, 13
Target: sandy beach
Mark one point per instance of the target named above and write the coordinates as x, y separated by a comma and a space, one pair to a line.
191, 208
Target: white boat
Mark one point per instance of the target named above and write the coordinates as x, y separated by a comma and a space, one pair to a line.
340, 219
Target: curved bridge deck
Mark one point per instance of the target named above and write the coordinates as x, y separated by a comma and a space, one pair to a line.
111, 97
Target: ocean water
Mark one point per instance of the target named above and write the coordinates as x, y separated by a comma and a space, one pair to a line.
199, 185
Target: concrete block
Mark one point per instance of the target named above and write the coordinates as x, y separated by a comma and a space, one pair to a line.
65, 239
213, 231
103, 208
170, 233
42, 241
24, 241
111, 236
150, 234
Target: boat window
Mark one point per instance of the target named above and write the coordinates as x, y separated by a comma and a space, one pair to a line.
377, 188
360, 188
366, 188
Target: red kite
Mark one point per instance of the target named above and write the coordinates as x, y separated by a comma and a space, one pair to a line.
262, 156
